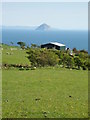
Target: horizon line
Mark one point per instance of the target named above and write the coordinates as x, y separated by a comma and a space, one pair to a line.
38, 25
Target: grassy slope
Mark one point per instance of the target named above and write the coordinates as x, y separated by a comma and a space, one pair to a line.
17, 56
52, 86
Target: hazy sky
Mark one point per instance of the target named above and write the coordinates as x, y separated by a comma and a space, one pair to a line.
71, 15
45, 0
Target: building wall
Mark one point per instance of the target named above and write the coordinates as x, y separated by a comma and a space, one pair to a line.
51, 46
62, 47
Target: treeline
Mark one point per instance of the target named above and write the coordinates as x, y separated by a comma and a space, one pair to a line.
49, 57
39, 57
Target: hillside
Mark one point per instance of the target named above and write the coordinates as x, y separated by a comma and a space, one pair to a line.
14, 55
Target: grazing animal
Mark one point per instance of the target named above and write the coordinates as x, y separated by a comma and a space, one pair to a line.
7, 53
37, 99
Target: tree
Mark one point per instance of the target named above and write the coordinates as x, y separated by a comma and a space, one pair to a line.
22, 44
64, 59
84, 51
52, 58
11, 43
28, 47
74, 50
69, 62
34, 46
48, 57
78, 61
85, 64
32, 56
42, 57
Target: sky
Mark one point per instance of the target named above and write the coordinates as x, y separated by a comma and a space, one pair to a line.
62, 15
45, 0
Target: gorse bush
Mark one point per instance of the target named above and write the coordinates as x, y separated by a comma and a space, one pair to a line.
49, 57
42, 57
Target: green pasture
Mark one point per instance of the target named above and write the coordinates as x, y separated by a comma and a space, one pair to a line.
44, 93
15, 56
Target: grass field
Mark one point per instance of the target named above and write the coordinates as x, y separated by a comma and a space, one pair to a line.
45, 93
14, 56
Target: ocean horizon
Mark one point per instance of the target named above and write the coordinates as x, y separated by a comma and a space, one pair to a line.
71, 38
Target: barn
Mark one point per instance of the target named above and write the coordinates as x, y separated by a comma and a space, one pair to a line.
54, 45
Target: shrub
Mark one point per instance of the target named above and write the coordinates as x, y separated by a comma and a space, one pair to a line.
49, 57
42, 57
22, 44
70, 62
78, 62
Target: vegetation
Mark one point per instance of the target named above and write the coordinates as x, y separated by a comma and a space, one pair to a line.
14, 55
45, 93
22, 44
40, 57
45, 90
48, 57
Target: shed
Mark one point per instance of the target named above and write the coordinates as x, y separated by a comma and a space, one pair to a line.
54, 45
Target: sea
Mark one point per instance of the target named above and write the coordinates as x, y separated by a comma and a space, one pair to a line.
71, 38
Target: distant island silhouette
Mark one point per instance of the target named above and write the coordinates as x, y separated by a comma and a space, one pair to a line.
43, 27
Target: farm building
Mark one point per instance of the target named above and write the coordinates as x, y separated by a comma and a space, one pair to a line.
54, 45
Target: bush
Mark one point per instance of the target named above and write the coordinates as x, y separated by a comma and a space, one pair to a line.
22, 44
49, 57
42, 57
70, 62
78, 62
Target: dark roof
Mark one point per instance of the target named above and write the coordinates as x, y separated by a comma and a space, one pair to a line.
54, 43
